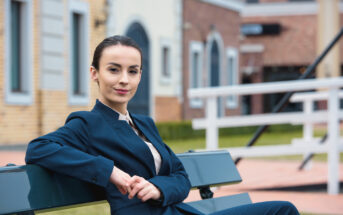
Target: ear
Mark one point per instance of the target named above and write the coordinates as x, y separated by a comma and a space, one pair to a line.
94, 74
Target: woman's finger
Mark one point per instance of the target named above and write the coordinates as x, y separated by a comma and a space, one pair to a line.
143, 192
138, 185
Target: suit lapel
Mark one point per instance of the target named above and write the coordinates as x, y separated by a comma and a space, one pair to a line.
132, 142
147, 132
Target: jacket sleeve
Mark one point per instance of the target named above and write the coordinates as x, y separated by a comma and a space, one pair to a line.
65, 151
175, 186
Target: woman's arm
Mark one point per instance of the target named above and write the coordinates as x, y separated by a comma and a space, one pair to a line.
64, 151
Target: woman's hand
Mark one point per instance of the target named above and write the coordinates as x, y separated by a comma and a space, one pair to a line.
121, 179
143, 189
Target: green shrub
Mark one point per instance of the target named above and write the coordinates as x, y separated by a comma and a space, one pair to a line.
183, 130
178, 130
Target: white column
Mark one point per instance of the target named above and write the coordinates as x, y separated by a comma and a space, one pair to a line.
333, 138
308, 129
211, 129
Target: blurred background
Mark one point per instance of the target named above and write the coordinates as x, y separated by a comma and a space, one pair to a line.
47, 47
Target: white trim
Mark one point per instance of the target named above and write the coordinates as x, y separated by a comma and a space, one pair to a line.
81, 8
196, 47
179, 51
231, 4
280, 9
166, 43
22, 98
231, 52
251, 48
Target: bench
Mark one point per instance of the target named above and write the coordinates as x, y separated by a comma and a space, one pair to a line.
28, 188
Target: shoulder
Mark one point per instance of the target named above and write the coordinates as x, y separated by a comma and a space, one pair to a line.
143, 118
84, 116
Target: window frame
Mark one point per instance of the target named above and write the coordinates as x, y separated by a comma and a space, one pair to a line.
196, 47
25, 96
166, 79
232, 101
82, 9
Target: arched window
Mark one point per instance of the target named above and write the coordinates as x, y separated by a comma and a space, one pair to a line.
214, 71
140, 103
214, 65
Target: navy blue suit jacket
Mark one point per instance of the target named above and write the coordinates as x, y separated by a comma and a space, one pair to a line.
92, 142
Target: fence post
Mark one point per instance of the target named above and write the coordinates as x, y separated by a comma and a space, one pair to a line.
211, 128
333, 139
308, 128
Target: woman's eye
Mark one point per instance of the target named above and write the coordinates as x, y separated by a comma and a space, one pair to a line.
133, 71
113, 69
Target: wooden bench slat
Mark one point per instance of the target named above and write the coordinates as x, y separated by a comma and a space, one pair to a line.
210, 168
208, 206
31, 188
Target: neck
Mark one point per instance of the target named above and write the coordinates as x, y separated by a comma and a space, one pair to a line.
120, 108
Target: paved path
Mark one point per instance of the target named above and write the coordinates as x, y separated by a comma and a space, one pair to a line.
261, 178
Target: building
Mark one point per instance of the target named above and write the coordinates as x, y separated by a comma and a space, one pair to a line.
280, 39
156, 27
211, 38
46, 46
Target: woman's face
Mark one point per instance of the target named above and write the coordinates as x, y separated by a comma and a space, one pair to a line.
118, 76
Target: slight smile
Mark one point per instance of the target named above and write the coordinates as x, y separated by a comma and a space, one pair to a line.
122, 91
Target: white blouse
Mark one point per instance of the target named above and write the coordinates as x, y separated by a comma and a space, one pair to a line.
156, 155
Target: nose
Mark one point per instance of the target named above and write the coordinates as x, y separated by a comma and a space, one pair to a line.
124, 78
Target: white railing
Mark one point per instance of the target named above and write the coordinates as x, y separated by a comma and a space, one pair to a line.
333, 147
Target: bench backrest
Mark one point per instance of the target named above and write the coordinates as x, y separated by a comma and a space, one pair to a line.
210, 168
30, 187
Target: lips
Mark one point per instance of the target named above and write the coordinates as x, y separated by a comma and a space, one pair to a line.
121, 91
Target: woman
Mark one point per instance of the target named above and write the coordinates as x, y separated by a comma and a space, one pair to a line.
121, 151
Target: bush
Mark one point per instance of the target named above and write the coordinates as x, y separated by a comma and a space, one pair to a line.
178, 130
183, 130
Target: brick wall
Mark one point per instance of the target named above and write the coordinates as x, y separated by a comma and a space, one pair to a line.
20, 124
296, 45
200, 18
167, 109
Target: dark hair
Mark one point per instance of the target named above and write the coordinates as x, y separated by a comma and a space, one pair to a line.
112, 41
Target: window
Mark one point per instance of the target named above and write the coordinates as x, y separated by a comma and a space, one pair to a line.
18, 52
165, 62
195, 68
78, 84
232, 75
299, 0
251, 1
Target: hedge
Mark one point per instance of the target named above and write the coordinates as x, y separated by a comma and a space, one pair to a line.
184, 130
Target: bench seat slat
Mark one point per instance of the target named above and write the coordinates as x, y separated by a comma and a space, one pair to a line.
208, 206
31, 188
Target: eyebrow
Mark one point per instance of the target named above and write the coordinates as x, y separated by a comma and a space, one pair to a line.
118, 65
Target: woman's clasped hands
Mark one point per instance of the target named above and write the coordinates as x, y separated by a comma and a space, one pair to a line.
134, 186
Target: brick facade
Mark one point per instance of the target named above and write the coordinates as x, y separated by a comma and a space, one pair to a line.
20, 124
167, 109
296, 44
202, 19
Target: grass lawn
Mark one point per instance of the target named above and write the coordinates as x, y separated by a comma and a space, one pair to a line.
184, 145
